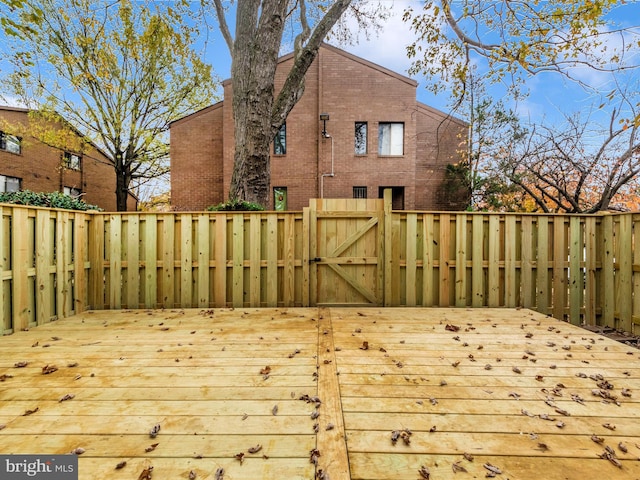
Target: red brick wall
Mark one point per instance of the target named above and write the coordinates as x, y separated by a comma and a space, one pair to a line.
350, 90
196, 153
39, 166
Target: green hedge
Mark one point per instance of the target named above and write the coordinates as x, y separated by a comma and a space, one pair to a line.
42, 199
236, 206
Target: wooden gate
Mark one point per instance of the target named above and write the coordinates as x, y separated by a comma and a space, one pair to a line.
346, 241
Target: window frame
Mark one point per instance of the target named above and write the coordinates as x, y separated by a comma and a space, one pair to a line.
68, 164
280, 140
358, 140
4, 183
358, 191
70, 191
7, 139
393, 139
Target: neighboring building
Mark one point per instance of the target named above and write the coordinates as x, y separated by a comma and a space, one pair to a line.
377, 136
78, 168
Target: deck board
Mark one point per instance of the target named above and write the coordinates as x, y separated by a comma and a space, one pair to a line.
211, 379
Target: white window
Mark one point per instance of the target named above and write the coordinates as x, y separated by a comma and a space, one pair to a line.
9, 184
390, 138
72, 192
72, 161
9, 143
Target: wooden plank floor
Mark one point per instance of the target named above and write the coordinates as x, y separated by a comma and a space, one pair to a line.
511, 388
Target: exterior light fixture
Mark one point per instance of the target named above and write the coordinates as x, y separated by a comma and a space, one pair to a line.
324, 117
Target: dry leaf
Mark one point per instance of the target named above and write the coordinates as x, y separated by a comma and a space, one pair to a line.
30, 412
151, 447
72, 364
47, 369
3, 426
240, 457
516, 370
219, 474
365, 346
68, 396
20, 364
330, 426
492, 468
468, 457
274, 410
452, 328
313, 456
153, 433
121, 465
255, 449
597, 439
4, 376
266, 370
623, 448
192, 475
78, 451
609, 426
424, 472
146, 473
457, 467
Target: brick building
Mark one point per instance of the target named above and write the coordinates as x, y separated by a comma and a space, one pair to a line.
357, 129
73, 166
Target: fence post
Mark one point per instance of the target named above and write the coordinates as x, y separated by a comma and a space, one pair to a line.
387, 260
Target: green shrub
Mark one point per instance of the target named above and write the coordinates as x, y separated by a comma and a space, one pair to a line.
42, 199
236, 206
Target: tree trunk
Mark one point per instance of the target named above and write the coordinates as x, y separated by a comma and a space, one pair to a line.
257, 114
123, 179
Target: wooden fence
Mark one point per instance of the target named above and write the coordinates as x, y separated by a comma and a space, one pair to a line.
54, 263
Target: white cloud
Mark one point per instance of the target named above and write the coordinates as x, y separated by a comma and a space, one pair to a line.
387, 48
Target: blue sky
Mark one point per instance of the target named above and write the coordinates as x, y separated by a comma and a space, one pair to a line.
550, 96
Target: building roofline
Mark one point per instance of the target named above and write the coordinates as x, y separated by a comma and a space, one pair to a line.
368, 63
197, 113
440, 113
14, 109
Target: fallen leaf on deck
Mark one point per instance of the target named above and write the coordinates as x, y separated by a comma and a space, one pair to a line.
78, 451
47, 369
151, 447
623, 448
424, 472
2, 426
121, 465
240, 457
468, 457
20, 364
452, 328
274, 410
365, 346
153, 433
597, 439
456, 467
4, 376
219, 474
313, 456
68, 396
609, 426
30, 412
255, 449
146, 473
516, 370
192, 475
266, 370
492, 468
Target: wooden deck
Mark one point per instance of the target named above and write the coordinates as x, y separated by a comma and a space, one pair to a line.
512, 388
